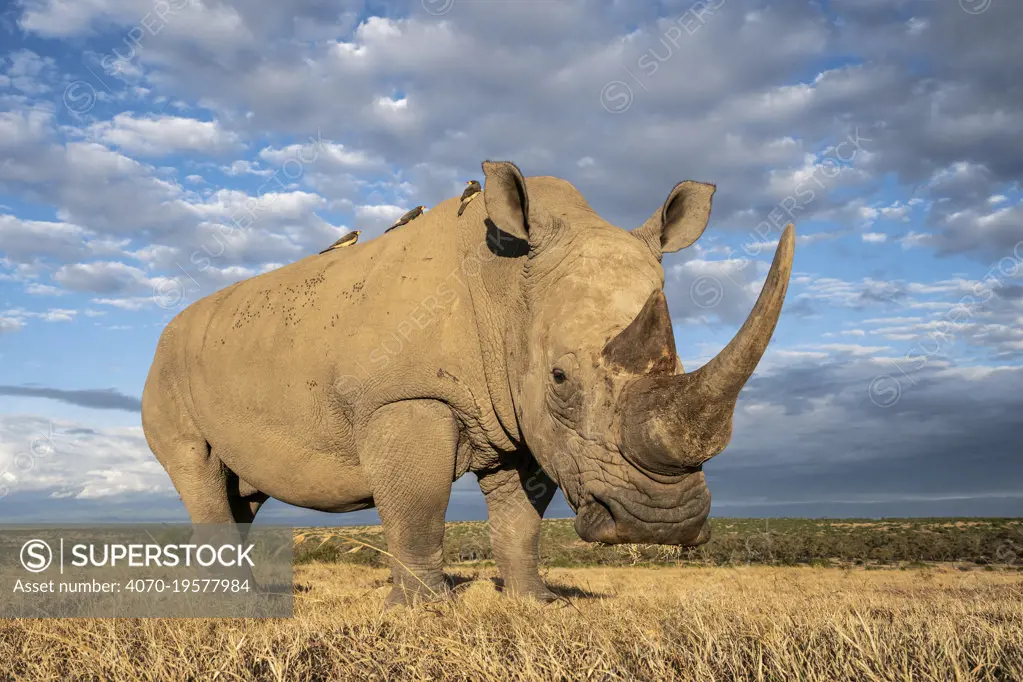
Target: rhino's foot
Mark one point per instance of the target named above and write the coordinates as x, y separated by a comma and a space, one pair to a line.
530, 590
411, 593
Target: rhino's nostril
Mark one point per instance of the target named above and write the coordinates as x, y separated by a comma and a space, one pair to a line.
595, 522
702, 538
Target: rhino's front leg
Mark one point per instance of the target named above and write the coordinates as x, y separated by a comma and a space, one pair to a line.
516, 500
409, 457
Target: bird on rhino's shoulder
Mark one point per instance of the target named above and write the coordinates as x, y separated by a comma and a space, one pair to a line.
346, 240
472, 190
408, 217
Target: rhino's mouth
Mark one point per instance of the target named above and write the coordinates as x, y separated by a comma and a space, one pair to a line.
608, 521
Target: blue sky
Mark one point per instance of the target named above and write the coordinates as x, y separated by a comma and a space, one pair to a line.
890, 132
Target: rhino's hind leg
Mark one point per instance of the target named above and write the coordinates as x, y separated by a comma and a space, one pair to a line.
409, 459
213, 497
245, 500
204, 484
211, 492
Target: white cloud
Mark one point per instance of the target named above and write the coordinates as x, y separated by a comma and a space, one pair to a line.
993, 231
70, 459
10, 324
26, 240
852, 348
163, 135
109, 277
803, 239
915, 26
36, 289
239, 167
133, 304
15, 318
321, 154
58, 315
391, 104
29, 73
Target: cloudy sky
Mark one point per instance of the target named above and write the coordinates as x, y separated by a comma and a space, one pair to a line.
889, 131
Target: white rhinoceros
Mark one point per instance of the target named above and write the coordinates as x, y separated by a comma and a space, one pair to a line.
527, 341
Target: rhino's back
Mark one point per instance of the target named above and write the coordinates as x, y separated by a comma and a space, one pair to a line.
303, 354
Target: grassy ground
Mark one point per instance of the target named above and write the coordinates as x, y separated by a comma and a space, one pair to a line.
661, 623
915, 599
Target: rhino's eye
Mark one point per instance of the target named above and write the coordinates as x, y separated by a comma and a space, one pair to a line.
559, 375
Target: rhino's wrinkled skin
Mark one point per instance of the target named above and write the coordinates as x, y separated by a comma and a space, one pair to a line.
527, 341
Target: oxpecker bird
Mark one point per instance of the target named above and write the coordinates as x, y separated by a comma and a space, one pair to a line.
472, 188
346, 240
414, 213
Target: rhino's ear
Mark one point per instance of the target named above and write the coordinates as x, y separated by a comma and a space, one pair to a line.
681, 220
505, 197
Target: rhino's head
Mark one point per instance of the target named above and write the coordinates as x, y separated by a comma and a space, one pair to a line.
601, 397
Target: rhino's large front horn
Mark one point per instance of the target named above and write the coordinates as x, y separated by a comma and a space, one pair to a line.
670, 422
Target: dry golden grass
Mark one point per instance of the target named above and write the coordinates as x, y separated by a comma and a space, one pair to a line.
747, 623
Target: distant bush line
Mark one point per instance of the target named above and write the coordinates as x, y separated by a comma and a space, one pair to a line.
869, 542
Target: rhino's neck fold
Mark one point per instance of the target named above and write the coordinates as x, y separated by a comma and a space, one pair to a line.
492, 266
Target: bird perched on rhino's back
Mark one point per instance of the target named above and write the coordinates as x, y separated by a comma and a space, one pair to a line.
472, 190
408, 217
346, 240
